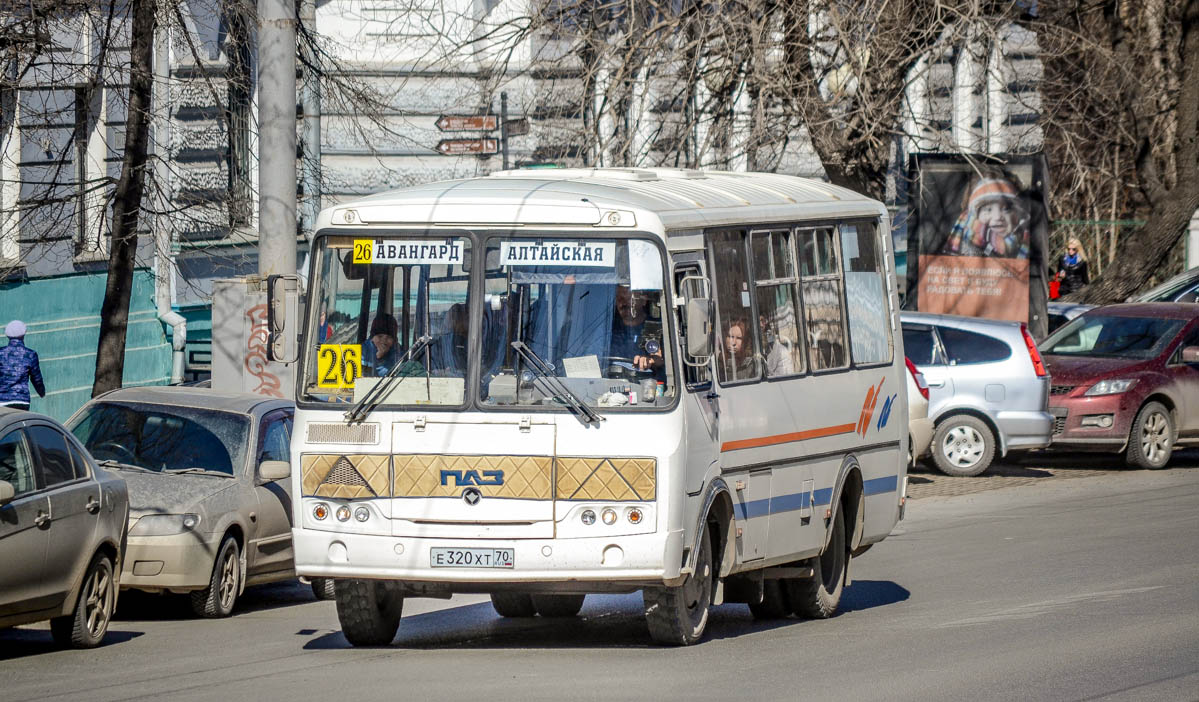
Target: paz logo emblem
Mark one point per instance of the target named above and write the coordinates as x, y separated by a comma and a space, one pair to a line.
471, 496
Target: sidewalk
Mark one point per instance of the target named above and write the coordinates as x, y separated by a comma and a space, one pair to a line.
1027, 469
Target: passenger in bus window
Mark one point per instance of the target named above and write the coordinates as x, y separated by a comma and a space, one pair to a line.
738, 360
450, 347
379, 352
779, 350
629, 333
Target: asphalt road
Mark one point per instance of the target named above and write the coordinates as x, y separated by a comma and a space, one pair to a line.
1074, 589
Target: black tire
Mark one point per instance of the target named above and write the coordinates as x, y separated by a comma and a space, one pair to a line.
216, 601
1151, 440
774, 604
963, 446
558, 605
87, 624
369, 611
677, 616
323, 588
817, 597
513, 604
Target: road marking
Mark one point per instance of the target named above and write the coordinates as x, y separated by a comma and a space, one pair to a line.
1037, 609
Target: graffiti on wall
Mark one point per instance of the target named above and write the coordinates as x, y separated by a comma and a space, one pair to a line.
257, 363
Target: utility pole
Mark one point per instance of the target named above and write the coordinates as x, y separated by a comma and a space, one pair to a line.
276, 137
310, 100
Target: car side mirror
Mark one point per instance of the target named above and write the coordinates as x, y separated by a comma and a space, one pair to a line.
1190, 354
282, 309
699, 328
270, 471
7, 492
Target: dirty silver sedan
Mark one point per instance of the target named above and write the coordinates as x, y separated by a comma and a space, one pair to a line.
62, 531
205, 518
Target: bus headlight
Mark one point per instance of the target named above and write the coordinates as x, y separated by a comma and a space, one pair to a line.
362, 514
588, 517
609, 516
343, 514
634, 515
321, 511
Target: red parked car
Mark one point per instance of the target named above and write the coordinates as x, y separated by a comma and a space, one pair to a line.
1126, 379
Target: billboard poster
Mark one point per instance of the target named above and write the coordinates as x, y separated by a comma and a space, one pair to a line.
977, 233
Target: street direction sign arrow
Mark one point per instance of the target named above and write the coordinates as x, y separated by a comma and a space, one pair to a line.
468, 123
465, 147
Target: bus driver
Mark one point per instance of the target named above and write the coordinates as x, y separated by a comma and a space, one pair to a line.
628, 331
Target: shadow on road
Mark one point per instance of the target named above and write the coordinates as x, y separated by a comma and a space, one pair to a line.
135, 605
607, 621
23, 642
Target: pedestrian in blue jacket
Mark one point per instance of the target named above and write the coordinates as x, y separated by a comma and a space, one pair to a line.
18, 368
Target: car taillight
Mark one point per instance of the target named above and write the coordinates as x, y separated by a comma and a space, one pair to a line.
1033, 353
921, 385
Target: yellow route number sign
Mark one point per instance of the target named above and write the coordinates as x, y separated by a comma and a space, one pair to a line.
364, 250
338, 365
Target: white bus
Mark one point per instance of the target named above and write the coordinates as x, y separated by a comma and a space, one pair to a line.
547, 383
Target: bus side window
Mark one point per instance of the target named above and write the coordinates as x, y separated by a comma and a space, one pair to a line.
737, 328
696, 377
777, 287
865, 294
823, 304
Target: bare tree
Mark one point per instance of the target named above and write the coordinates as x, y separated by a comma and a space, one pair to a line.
1122, 95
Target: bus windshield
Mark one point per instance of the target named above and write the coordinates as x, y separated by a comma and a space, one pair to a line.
574, 320
562, 322
372, 299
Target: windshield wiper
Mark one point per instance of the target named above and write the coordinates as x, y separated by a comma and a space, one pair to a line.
112, 463
546, 372
371, 399
200, 471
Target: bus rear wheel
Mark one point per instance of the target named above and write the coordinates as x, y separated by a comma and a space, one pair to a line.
677, 616
775, 603
817, 597
513, 604
369, 611
558, 605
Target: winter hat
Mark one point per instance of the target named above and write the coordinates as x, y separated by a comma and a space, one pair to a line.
384, 324
14, 329
992, 189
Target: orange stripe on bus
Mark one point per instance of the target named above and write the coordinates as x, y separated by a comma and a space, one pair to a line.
787, 438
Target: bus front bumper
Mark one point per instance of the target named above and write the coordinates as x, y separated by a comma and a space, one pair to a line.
644, 558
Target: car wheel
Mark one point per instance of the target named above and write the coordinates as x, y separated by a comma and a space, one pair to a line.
86, 626
323, 588
513, 604
774, 604
369, 611
963, 446
677, 616
817, 597
217, 600
558, 605
1151, 440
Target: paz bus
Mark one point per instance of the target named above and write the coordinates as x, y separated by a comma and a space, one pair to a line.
542, 384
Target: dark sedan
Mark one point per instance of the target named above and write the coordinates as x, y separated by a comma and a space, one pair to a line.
62, 531
1126, 379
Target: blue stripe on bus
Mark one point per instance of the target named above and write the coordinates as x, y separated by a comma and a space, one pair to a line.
795, 501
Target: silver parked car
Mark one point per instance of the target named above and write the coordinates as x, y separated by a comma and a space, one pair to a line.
209, 513
62, 531
988, 388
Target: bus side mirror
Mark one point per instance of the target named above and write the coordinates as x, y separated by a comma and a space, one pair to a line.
699, 327
282, 307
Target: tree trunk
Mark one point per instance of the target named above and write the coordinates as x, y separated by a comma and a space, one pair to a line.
127, 202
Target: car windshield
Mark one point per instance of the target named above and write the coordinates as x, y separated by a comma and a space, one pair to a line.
164, 439
372, 300
588, 318
1112, 336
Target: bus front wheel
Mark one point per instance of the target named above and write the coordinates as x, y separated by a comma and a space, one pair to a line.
369, 611
677, 616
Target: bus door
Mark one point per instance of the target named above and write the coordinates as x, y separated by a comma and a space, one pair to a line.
700, 402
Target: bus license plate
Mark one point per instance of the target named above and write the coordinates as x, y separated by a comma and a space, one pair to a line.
471, 557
